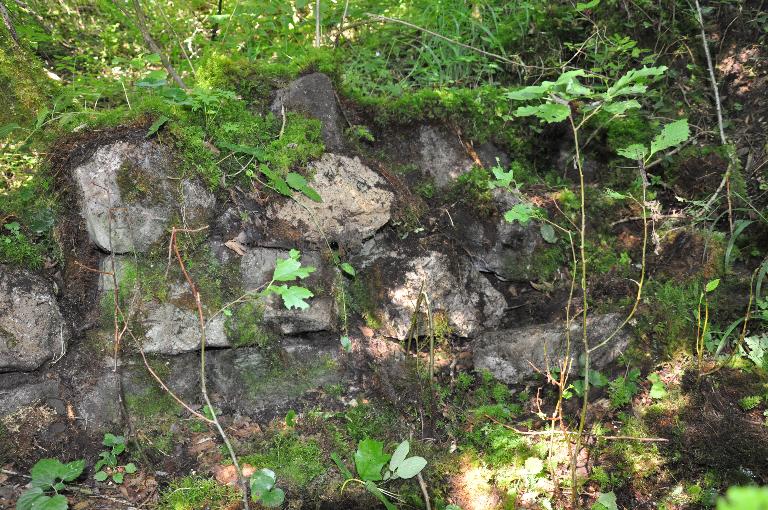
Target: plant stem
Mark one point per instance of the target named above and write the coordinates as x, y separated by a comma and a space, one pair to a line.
203, 386
585, 305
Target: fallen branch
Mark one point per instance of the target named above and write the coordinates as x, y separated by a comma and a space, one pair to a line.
9, 24
142, 22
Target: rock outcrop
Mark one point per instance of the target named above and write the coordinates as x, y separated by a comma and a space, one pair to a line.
313, 95
32, 328
463, 296
128, 201
511, 354
356, 202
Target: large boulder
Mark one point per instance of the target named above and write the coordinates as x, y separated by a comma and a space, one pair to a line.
15, 394
246, 380
314, 96
356, 202
32, 328
256, 268
443, 156
455, 290
511, 251
171, 329
511, 355
127, 199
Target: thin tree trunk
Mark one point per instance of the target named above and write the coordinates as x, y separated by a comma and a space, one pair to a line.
8, 24
317, 24
216, 25
142, 22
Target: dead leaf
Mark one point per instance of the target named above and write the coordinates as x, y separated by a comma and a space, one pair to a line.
227, 475
236, 247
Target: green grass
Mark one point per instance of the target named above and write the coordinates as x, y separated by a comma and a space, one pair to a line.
195, 493
295, 459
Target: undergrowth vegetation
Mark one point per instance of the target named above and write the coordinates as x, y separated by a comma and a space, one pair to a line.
632, 152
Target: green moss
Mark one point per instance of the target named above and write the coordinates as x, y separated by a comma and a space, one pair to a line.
255, 80
369, 421
301, 142
669, 320
245, 327
24, 85
151, 403
28, 210
542, 265
136, 185
194, 493
473, 188
294, 459
361, 298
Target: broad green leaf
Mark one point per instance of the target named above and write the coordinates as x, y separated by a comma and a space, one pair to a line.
636, 152
658, 389
633, 82
347, 268
712, 285
369, 459
28, 498
528, 93
47, 471
346, 343
606, 501
299, 183
72, 470
156, 125
620, 107
311, 194
568, 83
522, 213
7, 129
503, 179
744, 498
399, 455
289, 269
371, 487
615, 195
411, 467
117, 477
261, 482
293, 296
295, 181
342, 468
57, 502
130, 468
100, 476
275, 181
586, 6
673, 134
548, 112
548, 233
273, 498
290, 418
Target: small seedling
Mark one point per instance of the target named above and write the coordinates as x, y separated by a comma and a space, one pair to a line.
658, 389
264, 491
48, 477
108, 466
370, 459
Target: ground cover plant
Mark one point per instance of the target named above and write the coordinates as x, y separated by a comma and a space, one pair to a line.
362, 211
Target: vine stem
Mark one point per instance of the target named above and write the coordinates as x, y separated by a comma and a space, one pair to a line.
585, 306
203, 386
